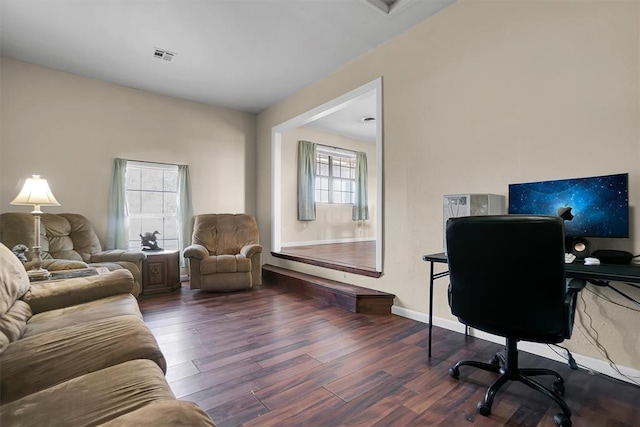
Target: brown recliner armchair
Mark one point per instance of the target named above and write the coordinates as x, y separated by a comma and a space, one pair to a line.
68, 241
225, 254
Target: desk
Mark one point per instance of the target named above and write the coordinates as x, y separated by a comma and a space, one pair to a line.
599, 275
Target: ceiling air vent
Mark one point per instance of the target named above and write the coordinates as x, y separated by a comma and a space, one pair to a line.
163, 54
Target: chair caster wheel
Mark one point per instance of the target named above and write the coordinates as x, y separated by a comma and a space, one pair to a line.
561, 420
558, 388
483, 409
454, 372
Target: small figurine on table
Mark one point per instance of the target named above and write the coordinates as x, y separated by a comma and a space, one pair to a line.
149, 241
19, 251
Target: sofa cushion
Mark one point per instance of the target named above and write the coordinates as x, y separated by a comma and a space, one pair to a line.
53, 264
227, 281
103, 308
225, 234
14, 321
69, 236
91, 399
4, 342
45, 296
122, 265
164, 413
14, 282
225, 264
40, 361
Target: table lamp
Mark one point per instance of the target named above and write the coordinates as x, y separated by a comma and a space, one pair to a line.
36, 192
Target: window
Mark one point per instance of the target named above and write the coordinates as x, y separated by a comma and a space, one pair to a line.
152, 199
335, 176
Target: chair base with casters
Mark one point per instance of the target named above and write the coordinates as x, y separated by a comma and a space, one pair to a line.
507, 366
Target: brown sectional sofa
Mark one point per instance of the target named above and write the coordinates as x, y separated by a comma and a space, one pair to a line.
68, 241
76, 353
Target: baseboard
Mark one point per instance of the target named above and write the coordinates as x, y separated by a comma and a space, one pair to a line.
590, 363
326, 242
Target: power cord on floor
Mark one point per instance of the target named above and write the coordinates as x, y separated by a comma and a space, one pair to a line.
570, 360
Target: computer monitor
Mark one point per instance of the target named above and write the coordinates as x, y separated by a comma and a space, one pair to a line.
592, 207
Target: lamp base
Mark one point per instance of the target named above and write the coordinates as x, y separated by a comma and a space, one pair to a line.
38, 274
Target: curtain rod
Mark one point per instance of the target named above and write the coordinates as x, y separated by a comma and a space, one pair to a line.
155, 163
337, 148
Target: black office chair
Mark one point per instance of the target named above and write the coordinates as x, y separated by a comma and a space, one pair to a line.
508, 278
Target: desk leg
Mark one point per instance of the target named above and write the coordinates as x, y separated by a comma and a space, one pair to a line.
430, 307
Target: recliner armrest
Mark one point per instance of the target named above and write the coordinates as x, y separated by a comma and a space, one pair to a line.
116, 255
250, 250
195, 251
46, 296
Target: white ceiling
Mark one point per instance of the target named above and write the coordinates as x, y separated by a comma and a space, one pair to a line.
348, 121
241, 54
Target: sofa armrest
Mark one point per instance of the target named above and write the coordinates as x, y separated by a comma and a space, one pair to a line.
116, 255
163, 413
195, 251
54, 264
250, 250
45, 296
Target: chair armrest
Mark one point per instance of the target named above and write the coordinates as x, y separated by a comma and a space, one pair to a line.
576, 285
116, 255
46, 296
571, 299
250, 250
195, 251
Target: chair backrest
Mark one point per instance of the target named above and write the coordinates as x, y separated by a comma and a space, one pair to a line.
507, 275
62, 236
225, 234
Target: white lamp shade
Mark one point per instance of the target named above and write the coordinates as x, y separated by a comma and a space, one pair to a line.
35, 192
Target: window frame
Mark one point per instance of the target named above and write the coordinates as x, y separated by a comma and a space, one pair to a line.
334, 154
164, 215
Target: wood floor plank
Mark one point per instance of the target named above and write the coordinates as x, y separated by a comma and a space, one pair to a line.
238, 411
270, 358
315, 401
355, 384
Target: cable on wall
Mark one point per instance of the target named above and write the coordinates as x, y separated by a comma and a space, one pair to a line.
595, 341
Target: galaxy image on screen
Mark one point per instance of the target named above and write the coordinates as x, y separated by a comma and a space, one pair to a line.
599, 205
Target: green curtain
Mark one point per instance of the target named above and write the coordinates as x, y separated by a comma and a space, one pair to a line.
361, 204
117, 222
306, 181
185, 210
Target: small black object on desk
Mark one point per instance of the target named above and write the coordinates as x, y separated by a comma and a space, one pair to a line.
599, 275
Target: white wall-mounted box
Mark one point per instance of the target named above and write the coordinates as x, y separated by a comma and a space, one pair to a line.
457, 205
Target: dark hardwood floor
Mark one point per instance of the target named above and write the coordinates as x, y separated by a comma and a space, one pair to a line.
265, 357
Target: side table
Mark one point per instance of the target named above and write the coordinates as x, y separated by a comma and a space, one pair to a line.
160, 272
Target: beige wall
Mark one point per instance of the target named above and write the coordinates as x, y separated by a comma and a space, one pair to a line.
70, 128
483, 94
333, 222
